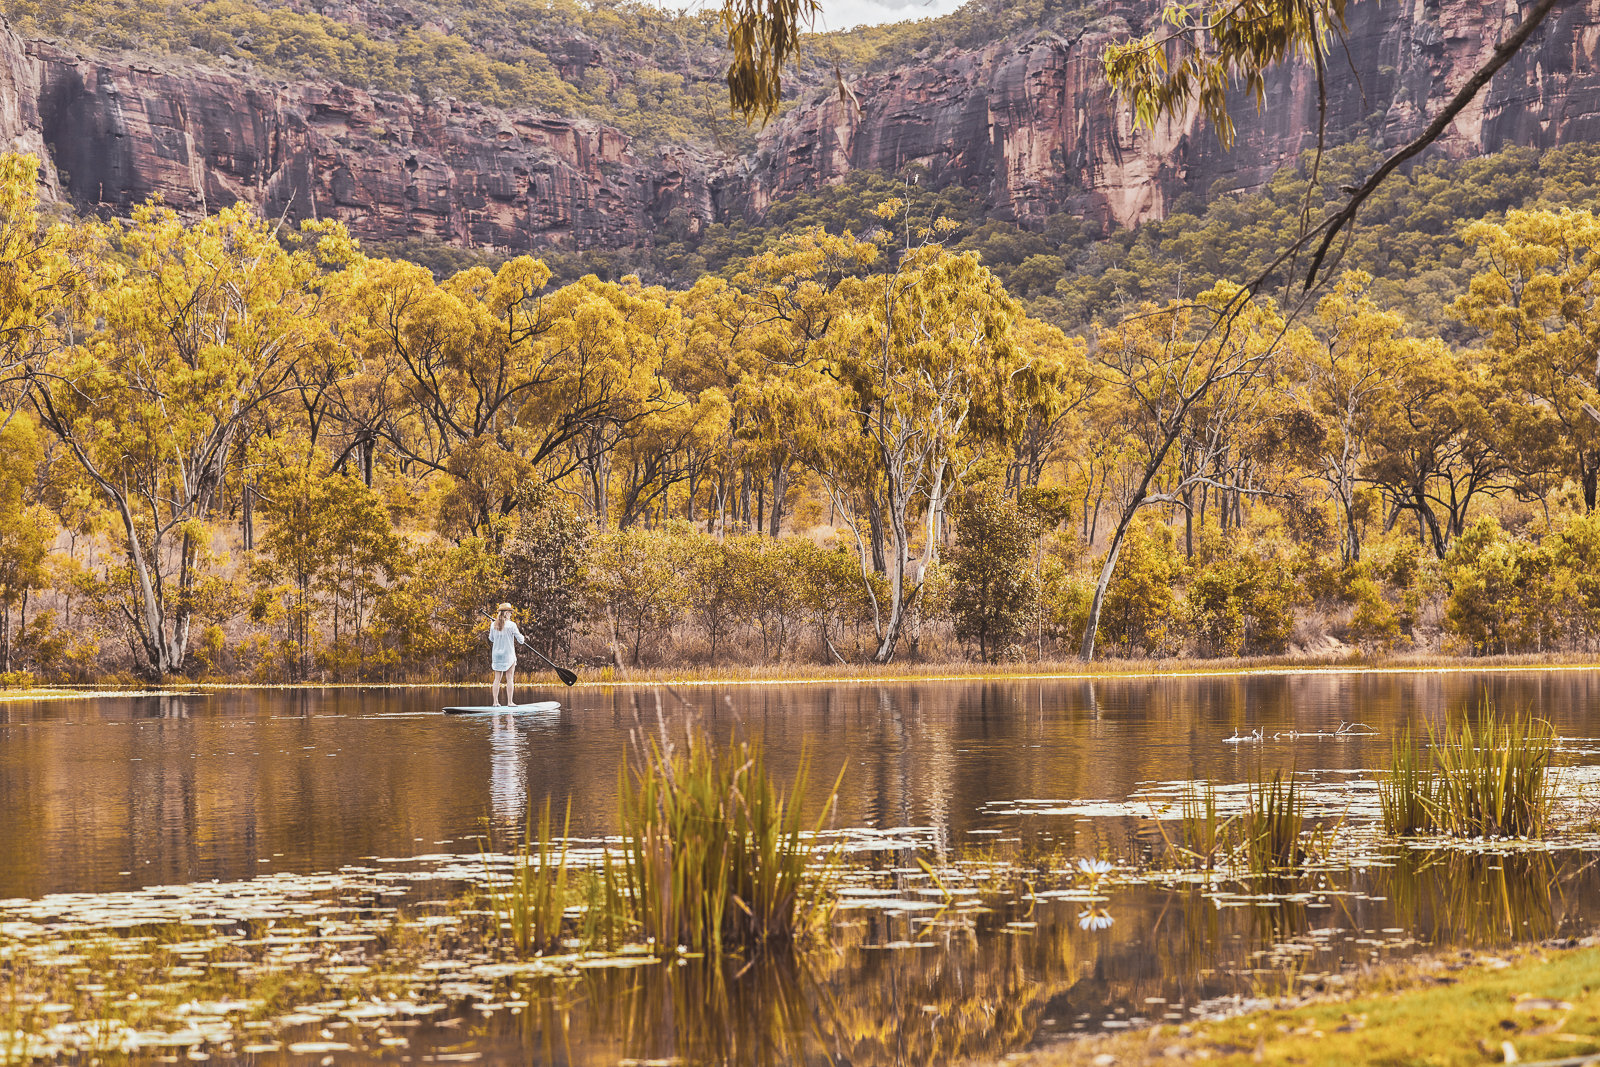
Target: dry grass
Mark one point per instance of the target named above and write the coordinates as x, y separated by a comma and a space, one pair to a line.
903, 672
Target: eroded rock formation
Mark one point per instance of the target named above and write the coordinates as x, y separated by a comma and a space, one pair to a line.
114, 133
1030, 125
1026, 122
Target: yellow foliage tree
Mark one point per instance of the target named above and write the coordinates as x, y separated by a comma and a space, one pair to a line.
190, 332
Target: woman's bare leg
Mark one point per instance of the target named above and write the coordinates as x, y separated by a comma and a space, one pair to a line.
511, 683
495, 689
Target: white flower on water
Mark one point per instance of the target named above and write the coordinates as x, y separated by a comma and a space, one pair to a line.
1094, 917
1094, 868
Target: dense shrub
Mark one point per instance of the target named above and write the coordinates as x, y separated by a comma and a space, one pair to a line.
1141, 617
993, 591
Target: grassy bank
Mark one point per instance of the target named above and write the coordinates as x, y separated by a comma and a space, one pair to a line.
1535, 1005
823, 674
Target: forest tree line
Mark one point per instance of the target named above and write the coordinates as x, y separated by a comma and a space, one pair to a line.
240, 449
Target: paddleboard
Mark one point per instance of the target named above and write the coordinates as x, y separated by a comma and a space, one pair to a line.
490, 709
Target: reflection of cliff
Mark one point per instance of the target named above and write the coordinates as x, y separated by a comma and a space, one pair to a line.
1025, 122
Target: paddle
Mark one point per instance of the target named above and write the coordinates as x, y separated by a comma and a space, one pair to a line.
567, 677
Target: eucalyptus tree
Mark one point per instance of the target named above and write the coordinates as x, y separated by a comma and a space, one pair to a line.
1536, 300
189, 331
1351, 366
1186, 373
1434, 448
38, 270
1049, 395
26, 528
501, 381
916, 359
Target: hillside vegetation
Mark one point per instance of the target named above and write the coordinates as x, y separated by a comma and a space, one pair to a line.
654, 74
1076, 275
658, 76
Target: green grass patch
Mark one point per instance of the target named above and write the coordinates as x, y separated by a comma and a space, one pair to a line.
1545, 1007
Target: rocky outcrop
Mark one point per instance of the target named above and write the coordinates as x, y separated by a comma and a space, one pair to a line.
1027, 123
114, 133
1030, 125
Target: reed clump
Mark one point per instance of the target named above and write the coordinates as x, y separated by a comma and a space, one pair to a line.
1407, 794
716, 856
1205, 834
1272, 835
1488, 780
529, 905
1272, 824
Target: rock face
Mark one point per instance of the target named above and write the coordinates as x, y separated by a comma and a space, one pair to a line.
1030, 124
1027, 123
113, 134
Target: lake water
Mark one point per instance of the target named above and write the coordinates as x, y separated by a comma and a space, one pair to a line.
117, 793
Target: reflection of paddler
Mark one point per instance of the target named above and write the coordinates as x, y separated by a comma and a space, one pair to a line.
503, 640
508, 773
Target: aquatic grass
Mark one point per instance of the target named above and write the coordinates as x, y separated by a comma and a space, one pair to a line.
19, 1015
1408, 794
1494, 781
1271, 826
715, 855
1207, 835
528, 906
605, 911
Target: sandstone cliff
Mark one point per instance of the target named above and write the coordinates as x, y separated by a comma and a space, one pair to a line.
1027, 123
1030, 125
114, 133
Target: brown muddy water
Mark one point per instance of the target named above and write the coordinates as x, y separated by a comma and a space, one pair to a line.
1001, 786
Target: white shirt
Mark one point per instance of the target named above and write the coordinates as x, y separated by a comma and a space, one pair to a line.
503, 646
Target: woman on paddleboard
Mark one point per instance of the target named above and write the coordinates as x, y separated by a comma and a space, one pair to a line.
503, 640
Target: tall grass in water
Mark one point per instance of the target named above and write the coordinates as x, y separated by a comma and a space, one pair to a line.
1205, 835
716, 857
1490, 781
1495, 781
19, 1019
1272, 824
529, 904
1408, 794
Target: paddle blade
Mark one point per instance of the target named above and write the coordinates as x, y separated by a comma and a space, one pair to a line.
566, 676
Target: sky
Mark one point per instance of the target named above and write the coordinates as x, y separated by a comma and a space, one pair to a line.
843, 14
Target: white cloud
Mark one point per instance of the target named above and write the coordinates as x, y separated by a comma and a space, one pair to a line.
843, 14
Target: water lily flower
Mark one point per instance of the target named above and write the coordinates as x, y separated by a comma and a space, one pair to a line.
1094, 868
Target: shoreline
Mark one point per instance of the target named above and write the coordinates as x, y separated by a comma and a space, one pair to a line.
940, 673
1535, 1004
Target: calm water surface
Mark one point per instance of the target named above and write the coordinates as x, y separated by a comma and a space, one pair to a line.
118, 793
115, 793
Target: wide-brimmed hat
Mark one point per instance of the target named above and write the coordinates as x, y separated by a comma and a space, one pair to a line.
505, 607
